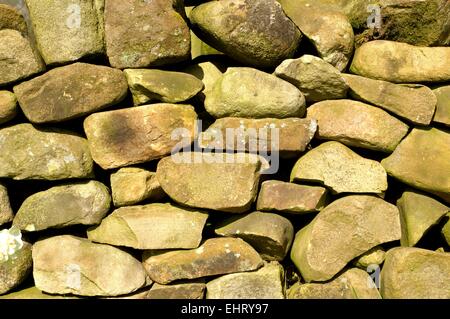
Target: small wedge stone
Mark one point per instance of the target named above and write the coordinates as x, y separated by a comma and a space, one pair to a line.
442, 114
8, 106
6, 213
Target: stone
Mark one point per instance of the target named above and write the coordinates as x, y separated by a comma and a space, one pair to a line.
18, 60
158, 85
354, 283
250, 93
138, 134
288, 137
412, 102
153, 226
67, 31
208, 181
290, 198
372, 257
329, 31
33, 293
339, 168
270, 234
8, 106
141, 34
316, 79
342, 231
401, 63
256, 33
357, 124
446, 230
187, 290
11, 18
84, 203
415, 273
418, 213
208, 72
216, 256
442, 114
420, 159
265, 283
6, 213
71, 265
132, 185
31, 153
70, 92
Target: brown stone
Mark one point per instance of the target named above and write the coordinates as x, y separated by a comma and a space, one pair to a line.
187, 290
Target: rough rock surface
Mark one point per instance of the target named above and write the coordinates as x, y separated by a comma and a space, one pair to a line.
6, 213
11, 18
188, 290
374, 256
442, 114
15, 269
8, 106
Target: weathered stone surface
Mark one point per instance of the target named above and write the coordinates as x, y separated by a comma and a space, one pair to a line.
153, 226
139, 33
205, 180
316, 79
374, 256
8, 106
318, 24
265, 283
418, 213
131, 185
288, 136
421, 160
270, 234
215, 256
342, 170
188, 290
345, 229
290, 198
139, 134
66, 31
250, 93
67, 264
255, 32
442, 114
33, 293
6, 213
412, 102
446, 230
70, 91
414, 273
18, 60
11, 18
30, 153
357, 124
352, 284
208, 72
401, 63
83, 203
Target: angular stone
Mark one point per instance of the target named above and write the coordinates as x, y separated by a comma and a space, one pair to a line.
412, 102
18, 60
140, 33
131, 185
329, 31
446, 230
153, 226
374, 256
8, 106
401, 63
206, 180
420, 160
157, 85
357, 124
270, 234
256, 33
71, 265
265, 283
342, 170
208, 72
288, 136
11, 18
344, 230
216, 256
30, 153
415, 273
442, 114
138, 134
188, 290
352, 284
84, 203
6, 213
65, 30
290, 198
33, 293
418, 213
316, 79
250, 93
70, 91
